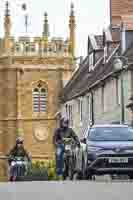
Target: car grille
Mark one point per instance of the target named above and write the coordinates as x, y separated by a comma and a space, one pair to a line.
104, 163
116, 155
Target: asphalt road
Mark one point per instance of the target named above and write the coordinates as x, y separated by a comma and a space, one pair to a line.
67, 190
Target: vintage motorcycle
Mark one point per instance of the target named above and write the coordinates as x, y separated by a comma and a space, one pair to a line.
18, 167
69, 158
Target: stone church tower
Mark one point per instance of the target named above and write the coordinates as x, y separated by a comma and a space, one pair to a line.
32, 74
122, 12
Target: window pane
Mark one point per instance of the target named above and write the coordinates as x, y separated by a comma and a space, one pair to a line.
36, 90
43, 90
36, 100
43, 96
39, 99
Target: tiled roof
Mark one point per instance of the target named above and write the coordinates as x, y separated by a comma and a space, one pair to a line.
84, 80
87, 80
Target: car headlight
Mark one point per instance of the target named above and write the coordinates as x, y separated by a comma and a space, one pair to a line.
93, 149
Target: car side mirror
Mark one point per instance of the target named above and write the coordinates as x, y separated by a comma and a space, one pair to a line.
83, 140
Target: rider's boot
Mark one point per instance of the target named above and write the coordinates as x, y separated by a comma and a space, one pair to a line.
60, 177
11, 178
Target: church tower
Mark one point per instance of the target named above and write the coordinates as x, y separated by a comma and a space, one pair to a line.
33, 72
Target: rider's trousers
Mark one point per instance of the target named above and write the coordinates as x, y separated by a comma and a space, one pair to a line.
59, 159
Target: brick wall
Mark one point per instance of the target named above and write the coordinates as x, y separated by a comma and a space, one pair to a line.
120, 8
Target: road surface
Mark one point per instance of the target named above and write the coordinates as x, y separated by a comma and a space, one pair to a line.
67, 190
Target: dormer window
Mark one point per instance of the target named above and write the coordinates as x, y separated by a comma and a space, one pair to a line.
91, 62
105, 53
123, 41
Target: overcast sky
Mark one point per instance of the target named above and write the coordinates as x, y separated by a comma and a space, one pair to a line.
91, 17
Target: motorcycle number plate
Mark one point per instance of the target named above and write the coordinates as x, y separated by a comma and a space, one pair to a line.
19, 162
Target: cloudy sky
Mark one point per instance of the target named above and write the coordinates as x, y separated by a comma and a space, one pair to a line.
91, 17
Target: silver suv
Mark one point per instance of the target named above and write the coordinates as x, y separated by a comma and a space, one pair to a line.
109, 150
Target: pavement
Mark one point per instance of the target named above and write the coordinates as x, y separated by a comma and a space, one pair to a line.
67, 190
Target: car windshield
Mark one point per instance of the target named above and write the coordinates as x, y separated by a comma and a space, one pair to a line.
111, 134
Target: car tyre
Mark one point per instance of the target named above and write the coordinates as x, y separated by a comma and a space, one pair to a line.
89, 175
131, 177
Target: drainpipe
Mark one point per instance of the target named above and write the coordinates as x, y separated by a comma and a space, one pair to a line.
92, 109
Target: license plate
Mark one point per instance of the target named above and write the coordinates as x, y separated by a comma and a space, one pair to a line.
118, 160
68, 147
19, 162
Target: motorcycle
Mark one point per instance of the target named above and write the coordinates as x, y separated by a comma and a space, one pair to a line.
18, 168
69, 158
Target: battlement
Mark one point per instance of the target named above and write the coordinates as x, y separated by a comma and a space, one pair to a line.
39, 46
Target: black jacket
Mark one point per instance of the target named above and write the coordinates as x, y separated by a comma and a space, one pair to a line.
17, 152
61, 133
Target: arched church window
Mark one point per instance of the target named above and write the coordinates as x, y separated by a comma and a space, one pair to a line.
39, 99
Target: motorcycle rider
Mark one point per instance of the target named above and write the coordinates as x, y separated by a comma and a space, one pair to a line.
64, 131
17, 151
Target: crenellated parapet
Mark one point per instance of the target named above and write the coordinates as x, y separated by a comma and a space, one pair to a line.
42, 45
36, 46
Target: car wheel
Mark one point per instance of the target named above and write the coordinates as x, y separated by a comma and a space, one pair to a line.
131, 177
89, 175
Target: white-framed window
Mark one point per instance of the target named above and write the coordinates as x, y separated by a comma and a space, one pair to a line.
39, 95
81, 110
103, 97
70, 114
90, 108
91, 62
118, 91
88, 104
105, 53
